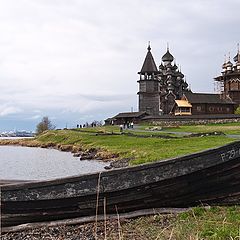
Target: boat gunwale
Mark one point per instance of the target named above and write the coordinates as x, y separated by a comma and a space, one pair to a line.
144, 166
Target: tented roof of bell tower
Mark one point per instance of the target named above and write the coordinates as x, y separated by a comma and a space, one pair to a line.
149, 65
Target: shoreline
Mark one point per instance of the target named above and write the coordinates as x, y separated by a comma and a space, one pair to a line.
77, 151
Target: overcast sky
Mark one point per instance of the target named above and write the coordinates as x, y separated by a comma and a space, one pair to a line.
77, 60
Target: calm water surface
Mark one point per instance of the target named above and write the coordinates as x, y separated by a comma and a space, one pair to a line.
26, 163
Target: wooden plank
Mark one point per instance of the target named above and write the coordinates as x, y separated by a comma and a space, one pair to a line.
92, 218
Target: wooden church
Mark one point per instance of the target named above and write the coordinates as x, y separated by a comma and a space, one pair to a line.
163, 90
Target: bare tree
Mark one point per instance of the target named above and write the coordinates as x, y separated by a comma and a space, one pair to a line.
44, 125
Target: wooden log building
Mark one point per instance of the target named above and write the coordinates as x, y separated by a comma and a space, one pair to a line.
163, 90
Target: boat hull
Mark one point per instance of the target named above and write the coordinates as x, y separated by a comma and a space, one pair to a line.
211, 177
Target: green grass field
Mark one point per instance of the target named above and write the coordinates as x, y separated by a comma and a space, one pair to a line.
227, 128
142, 150
213, 223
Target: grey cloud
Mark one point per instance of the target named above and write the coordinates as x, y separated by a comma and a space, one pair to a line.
82, 57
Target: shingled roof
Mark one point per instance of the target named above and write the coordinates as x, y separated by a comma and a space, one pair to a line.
206, 98
149, 65
130, 115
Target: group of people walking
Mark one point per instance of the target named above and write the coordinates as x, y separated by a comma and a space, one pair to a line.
126, 125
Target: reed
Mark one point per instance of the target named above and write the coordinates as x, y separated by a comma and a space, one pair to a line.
97, 203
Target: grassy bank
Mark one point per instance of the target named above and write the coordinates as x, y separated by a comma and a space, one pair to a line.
199, 223
213, 223
139, 149
227, 128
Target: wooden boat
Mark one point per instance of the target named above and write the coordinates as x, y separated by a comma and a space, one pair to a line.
209, 177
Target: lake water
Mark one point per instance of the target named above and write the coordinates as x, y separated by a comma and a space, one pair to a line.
27, 163
10, 138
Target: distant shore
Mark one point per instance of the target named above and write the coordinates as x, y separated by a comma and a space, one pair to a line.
3, 138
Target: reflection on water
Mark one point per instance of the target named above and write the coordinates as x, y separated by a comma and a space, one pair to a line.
25, 163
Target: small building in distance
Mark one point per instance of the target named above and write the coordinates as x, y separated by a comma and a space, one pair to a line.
126, 117
182, 107
203, 103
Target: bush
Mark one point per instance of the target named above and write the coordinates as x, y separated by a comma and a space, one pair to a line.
237, 111
44, 125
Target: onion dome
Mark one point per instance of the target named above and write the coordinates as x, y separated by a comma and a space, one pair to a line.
238, 65
180, 74
229, 64
169, 68
161, 67
167, 57
238, 62
169, 65
224, 66
185, 85
175, 67
236, 58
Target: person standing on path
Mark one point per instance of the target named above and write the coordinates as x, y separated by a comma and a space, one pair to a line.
121, 128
